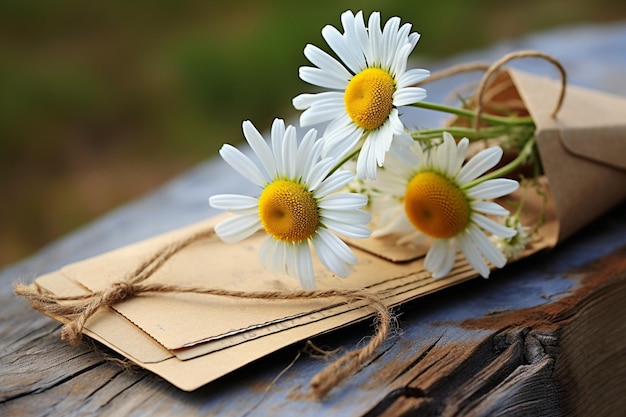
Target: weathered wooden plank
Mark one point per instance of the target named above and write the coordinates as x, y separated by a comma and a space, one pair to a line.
541, 337
459, 353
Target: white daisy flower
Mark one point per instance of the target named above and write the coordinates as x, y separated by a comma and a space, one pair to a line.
368, 84
297, 204
447, 201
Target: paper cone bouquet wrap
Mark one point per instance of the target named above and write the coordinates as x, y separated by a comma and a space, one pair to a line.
361, 216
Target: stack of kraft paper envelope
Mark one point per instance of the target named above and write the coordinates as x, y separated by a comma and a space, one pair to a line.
191, 339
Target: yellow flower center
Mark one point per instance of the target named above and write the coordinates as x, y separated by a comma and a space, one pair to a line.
369, 97
288, 211
436, 206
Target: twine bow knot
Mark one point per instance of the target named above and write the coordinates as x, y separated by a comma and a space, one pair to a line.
118, 292
76, 310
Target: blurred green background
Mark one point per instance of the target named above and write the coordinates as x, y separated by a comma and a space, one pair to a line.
103, 101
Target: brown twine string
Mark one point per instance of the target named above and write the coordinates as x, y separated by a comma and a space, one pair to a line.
492, 69
454, 70
496, 66
78, 309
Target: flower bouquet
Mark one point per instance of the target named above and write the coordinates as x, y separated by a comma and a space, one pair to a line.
366, 213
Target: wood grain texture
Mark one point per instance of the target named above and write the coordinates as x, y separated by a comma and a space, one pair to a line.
542, 337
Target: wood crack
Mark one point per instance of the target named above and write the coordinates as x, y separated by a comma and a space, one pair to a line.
449, 381
50, 385
392, 397
125, 390
419, 359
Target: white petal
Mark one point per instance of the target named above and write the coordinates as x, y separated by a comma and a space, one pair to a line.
316, 76
304, 101
356, 231
435, 255
486, 247
366, 161
317, 174
354, 216
243, 165
400, 59
304, 266
380, 140
408, 95
414, 38
327, 63
489, 207
336, 181
260, 147
320, 113
341, 140
289, 152
492, 189
445, 155
278, 132
397, 127
440, 258
375, 39
461, 152
307, 156
361, 33
272, 256
291, 259
238, 228
233, 202
412, 77
279, 261
344, 201
448, 261
390, 41
479, 164
351, 57
492, 227
334, 254
473, 256
277, 136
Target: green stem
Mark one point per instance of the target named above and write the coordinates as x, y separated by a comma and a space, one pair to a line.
526, 151
459, 131
343, 161
471, 114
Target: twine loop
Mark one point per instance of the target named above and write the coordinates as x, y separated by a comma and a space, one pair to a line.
497, 66
87, 306
491, 69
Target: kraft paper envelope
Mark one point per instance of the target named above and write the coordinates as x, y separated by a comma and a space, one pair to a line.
582, 149
113, 330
